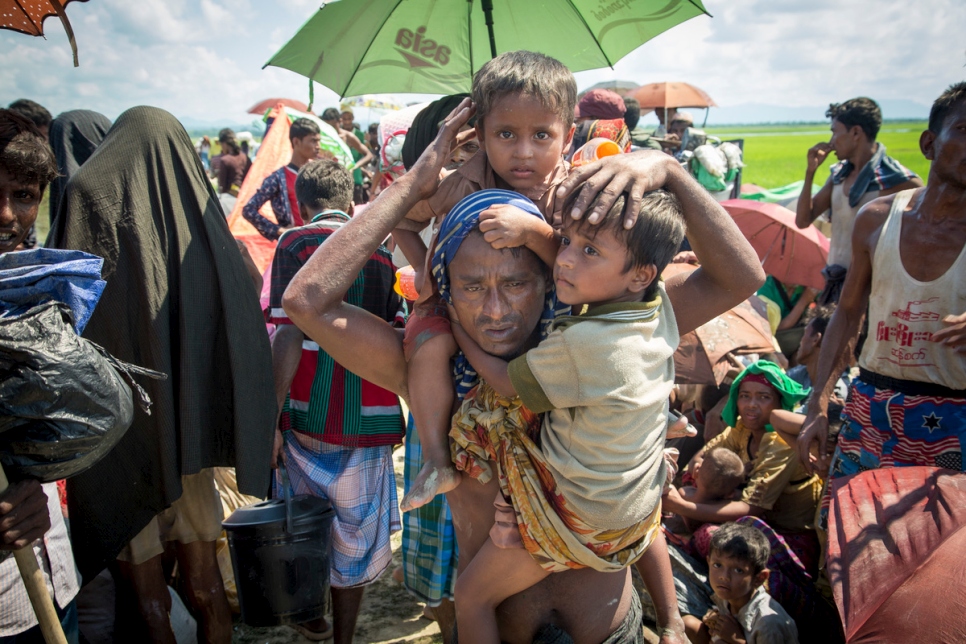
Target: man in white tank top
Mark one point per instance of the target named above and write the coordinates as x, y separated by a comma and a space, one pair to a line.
863, 173
908, 406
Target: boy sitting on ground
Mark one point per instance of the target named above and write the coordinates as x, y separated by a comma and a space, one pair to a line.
588, 495
744, 612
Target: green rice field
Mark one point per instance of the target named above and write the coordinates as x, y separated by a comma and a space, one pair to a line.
775, 154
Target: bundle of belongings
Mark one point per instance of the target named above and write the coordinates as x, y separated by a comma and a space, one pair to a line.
64, 401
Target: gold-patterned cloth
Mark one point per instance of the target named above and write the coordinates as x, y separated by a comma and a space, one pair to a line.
489, 429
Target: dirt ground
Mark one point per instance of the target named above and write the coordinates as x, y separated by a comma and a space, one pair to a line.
389, 614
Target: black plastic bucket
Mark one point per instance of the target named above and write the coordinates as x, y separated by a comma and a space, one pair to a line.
281, 571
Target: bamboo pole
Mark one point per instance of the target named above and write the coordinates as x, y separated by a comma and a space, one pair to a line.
33, 579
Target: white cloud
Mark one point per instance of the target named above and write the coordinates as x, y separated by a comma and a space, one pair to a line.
203, 59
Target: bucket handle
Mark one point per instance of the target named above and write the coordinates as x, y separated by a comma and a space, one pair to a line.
287, 494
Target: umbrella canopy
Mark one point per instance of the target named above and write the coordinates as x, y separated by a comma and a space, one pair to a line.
27, 17
263, 106
702, 357
373, 102
895, 544
790, 254
435, 46
667, 95
624, 88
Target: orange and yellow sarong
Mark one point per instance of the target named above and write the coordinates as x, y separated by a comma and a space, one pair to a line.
489, 429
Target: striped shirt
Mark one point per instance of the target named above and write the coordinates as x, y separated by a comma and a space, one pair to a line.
56, 563
326, 402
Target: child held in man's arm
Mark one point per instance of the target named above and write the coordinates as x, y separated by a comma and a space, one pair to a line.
603, 377
524, 122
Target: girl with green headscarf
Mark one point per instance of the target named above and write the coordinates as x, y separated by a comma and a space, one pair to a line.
778, 488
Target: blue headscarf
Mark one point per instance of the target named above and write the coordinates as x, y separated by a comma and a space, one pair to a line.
460, 221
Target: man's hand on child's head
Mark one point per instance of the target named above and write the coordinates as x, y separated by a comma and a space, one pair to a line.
506, 226
425, 173
635, 173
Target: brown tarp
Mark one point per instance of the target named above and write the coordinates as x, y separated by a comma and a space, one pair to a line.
702, 354
178, 300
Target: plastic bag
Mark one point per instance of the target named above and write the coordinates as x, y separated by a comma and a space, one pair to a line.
64, 402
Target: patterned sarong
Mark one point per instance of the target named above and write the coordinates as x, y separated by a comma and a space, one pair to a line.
886, 428
429, 552
489, 429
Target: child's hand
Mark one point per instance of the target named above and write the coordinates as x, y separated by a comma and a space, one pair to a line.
710, 620
506, 226
728, 629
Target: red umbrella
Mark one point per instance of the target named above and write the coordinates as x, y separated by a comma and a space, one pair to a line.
895, 554
789, 254
27, 17
263, 106
672, 95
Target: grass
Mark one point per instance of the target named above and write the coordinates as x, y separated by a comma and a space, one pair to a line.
775, 154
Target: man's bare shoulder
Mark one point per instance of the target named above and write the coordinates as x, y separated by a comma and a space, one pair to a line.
872, 216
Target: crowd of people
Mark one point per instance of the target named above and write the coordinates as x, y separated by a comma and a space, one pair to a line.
550, 456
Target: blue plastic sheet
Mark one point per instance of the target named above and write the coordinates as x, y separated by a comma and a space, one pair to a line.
32, 277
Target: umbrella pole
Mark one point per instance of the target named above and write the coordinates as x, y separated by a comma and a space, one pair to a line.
33, 579
488, 15
67, 28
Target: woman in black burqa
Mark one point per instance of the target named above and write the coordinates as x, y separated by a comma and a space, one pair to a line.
178, 300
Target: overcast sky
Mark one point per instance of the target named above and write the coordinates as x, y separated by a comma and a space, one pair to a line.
202, 59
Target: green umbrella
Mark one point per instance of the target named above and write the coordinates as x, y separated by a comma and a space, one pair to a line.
434, 46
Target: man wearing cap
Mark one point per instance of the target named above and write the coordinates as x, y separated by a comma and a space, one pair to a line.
677, 126
595, 106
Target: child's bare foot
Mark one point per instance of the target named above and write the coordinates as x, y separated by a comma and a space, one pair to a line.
431, 480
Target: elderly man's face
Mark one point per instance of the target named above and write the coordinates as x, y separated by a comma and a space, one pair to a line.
498, 295
19, 203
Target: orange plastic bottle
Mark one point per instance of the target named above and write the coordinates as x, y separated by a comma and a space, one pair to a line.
594, 150
405, 285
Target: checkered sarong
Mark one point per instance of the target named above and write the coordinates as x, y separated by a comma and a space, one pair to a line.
359, 483
429, 552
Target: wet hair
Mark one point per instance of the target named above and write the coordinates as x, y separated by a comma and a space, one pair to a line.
632, 113
530, 74
331, 114
32, 111
943, 105
24, 152
861, 111
324, 184
227, 139
723, 470
302, 128
655, 237
744, 543
819, 317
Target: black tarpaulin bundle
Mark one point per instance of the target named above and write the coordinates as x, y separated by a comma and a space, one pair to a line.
64, 402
